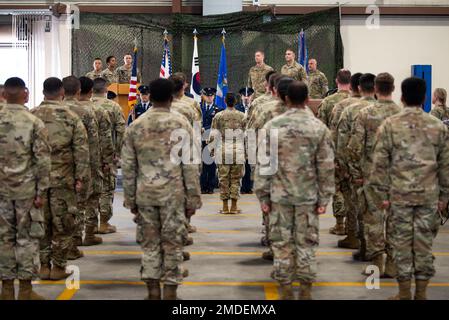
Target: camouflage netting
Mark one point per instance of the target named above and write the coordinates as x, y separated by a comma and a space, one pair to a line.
101, 35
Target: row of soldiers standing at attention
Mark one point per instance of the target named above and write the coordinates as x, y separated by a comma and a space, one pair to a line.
58, 167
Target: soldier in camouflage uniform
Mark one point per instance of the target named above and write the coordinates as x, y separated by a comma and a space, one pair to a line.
69, 172
256, 75
318, 84
124, 71
160, 202
106, 152
117, 131
440, 110
24, 172
260, 99
179, 104
190, 101
297, 192
292, 68
341, 170
265, 113
110, 73
344, 132
360, 148
96, 73
72, 91
410, 175
229, 152
324, 114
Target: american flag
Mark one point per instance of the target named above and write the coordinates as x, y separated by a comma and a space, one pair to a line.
132, 96
166, 59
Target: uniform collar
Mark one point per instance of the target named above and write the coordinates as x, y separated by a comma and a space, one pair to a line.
413, 109
368, 98
51, 103
14, 106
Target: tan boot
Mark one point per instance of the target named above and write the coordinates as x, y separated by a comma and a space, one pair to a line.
8, 290
44, 272
90, 239
377, 261
339, 228
186, 256
225, 209
234, 209
390, 269
26, 291
404, 291
170, 292
421, 289
106, 228
154, 290
58, 273
350, 242
305, 291
286, 292
74, 253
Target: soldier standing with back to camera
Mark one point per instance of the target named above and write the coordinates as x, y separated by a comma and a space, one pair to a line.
69, 175
25, 173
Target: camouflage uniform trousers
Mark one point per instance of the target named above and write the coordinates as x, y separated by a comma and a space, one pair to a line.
349, 207
91, 210
107, 197
229, 177
60, 210
159, 233
377, 226
19, 247
359, 203
294, 232
338, 205
411, 235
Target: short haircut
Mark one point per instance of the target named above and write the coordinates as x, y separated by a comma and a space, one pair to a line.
14, 83
268, 75
297, 92
413, 91
282, 87
181, 75
384, 83
86, 85
230, 99
440, 94
291, 50
71, 85
344, 76
355, 81
100, 85
366, 82
97, 59
52, 86
260, 51
178, 83
273, 78
108, 59
161, 90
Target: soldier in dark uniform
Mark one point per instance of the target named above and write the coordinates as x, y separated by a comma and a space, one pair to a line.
143, 105
209, 109
246, 95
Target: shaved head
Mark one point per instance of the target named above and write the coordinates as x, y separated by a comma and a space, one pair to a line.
15, 91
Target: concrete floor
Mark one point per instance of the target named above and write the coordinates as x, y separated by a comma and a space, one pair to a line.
226, 262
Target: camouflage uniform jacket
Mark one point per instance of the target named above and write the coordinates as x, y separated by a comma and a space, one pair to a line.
24, 154
117, 121
411, 159
150, 176
94, 74
294, 71
230, 119
271, 110
440, 111
109, 76
304, 170
363, 136
336, 114
68, 141
326, 106
257, 107
318, 85
124, 74
256, 78
180, 106
87, 116
196, 108
346, 124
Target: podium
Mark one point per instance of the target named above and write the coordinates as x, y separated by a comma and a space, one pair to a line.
122, 92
